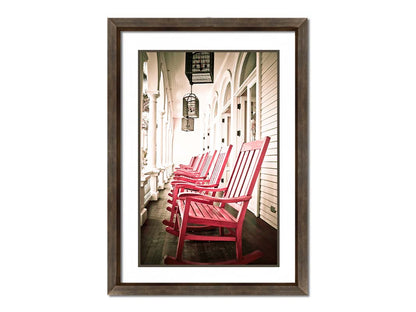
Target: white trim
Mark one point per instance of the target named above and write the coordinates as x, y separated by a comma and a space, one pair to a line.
225, 81
258, 95
226, 106
246, 82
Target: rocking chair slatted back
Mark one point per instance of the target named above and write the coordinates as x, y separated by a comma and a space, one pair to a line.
220, 164
196, 163
193, 159
208, 162
246, 169
202, 162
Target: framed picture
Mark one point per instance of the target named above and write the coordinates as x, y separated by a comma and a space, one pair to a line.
219, 206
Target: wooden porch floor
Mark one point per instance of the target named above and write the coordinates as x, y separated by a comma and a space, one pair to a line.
156, 243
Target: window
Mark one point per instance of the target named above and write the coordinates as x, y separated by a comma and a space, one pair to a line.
227, 95
215, 109
248, 66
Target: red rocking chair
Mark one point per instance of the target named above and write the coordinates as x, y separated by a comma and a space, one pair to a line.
191, 163
207, 162
195, 169
211, 182
199, 209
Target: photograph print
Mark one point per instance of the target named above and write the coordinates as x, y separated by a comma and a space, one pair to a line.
209, 158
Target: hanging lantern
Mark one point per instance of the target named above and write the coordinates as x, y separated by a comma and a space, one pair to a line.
190, 105
187, 124
199, 67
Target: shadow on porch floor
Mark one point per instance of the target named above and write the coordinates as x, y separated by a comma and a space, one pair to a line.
156, 243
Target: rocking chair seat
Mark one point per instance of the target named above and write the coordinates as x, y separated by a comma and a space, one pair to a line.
208, 214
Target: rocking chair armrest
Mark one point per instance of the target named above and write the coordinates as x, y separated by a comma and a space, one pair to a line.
198, 187
201, 198
192, 175
184, 169
200, 178
189, 174
182, 172
185, 166
182, 179
215, 185
190, 179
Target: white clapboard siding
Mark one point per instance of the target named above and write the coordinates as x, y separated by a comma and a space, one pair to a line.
272, 151
268, 184
269, 164
270, 94
267, 203
270, 74
268, 177
269, 120
268, 127
270, 112
270, 159
270, 218
268, 59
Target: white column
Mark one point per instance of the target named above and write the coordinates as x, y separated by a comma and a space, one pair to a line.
258, 95
160, 142
170, 151
160, 147
166, 149
154, 171
172, 129
143, 178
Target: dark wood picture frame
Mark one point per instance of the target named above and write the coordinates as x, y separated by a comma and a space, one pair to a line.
297, 25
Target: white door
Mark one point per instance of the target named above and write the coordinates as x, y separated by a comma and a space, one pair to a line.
246, 130
251, 135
